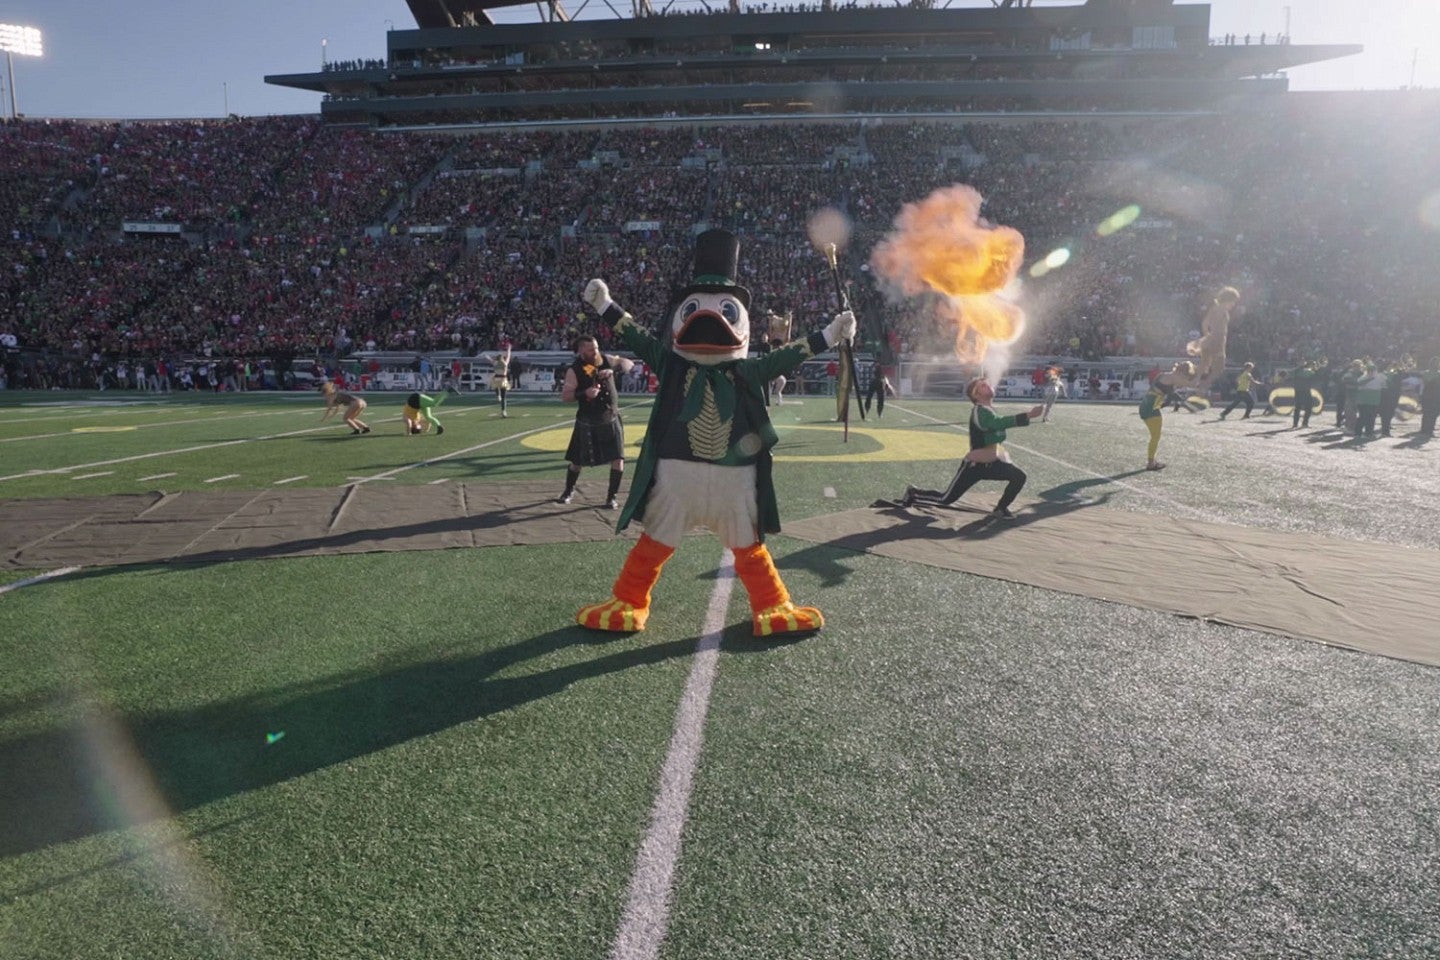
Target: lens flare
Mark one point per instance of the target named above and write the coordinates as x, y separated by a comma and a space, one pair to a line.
941, 245
1118, 220
1430, 210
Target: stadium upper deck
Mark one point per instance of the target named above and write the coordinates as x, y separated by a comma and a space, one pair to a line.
1097, 55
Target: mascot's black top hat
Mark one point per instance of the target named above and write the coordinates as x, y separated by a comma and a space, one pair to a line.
717, 257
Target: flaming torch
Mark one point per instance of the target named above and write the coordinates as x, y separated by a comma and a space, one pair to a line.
828, 229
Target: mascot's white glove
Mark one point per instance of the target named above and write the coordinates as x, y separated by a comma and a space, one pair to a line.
597, 294
841, 328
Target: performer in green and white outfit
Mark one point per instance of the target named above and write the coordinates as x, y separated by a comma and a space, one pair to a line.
987, 459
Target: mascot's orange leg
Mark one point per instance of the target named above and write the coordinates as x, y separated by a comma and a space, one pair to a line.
770, 605
628, 610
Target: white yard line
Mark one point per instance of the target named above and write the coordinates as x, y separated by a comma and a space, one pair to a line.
1084, 471
163, 453
441, 480
30, 581
157, 476
647, 908
293, 433
147, 426
455, 453
303, 476
228, 476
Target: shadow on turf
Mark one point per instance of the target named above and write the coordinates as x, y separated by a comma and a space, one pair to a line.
315, 546
1349, 443
141, 852
1268, 434
58, 787
824, 559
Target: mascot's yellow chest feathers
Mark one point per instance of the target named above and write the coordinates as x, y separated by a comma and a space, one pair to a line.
709, 435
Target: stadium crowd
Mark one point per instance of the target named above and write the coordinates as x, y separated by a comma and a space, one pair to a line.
282, 237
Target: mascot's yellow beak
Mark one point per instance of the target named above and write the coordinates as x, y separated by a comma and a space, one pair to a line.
705, 331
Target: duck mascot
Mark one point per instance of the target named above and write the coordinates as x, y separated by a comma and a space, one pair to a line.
705, 460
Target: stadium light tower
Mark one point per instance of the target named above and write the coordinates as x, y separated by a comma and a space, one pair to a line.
24, 41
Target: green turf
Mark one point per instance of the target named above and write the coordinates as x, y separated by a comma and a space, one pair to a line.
455, 764
416, 754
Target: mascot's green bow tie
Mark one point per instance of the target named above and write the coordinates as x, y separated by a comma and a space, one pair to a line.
721, 387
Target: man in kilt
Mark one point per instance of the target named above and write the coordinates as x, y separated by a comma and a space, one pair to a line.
599, 435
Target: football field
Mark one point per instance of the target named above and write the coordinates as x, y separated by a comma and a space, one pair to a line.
416, 752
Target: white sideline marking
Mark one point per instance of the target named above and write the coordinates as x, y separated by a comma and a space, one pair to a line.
441, 480
30, 581
1195, 511
228, 476
647, 908
304, 476
157, 476
87, 476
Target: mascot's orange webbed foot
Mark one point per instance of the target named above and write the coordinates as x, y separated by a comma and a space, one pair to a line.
614, 615
771, 610
629, 607
786, 618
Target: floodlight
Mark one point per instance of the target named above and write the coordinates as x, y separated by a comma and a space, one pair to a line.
24, 41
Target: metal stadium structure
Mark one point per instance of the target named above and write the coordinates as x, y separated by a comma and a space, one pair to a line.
461, 67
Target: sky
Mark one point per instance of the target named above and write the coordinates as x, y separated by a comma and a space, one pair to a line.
166, 58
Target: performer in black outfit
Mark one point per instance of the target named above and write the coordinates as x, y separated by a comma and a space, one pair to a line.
1302, 379
599, 435
876, 390
1430, 398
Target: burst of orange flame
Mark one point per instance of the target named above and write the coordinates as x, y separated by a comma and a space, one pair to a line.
942, 245
982, 322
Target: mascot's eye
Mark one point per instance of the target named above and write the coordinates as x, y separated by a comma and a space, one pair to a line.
689, 308
730, 310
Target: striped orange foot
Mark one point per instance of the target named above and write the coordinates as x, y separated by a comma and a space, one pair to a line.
616, 615
787, 618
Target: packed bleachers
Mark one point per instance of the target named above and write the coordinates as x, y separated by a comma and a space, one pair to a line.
297, 238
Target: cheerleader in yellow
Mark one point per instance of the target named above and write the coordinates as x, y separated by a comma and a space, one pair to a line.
1163, 390
500, 378
335, 399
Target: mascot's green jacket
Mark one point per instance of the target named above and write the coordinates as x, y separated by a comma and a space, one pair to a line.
726, 424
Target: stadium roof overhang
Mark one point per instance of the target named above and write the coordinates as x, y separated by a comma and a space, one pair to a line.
437, 14
457, 13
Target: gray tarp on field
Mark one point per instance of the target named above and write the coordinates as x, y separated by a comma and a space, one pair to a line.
200, 527
1371, 597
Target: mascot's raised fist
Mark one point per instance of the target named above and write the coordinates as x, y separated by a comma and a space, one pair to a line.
597, 294
841, 328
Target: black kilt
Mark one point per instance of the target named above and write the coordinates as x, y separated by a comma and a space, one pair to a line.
592, 444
